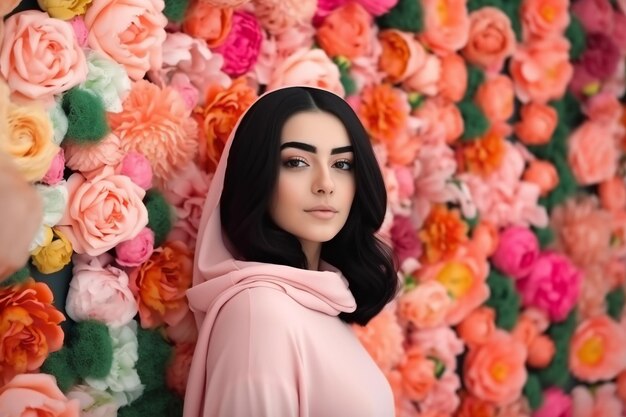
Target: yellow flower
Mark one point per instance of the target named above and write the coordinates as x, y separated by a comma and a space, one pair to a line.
54, 256
64, 9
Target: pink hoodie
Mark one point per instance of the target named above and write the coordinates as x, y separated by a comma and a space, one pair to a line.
270, 342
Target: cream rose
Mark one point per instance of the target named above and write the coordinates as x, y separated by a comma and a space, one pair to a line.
40, 56
130, 32
102, 212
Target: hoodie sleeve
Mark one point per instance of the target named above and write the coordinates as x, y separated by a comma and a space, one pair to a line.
252, 364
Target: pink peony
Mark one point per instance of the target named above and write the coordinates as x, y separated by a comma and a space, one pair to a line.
102, 212
100, 291
601, 56
40, 56
404, 239
553, 285
555, 404
136, 167
136, 251
377, 7
440, 343
594, 15
80, 30
517, 251
618, 35
190, 94
130, 32
55, 172
242, 45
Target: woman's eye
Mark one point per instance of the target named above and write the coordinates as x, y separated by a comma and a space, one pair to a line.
344, 165
294, 163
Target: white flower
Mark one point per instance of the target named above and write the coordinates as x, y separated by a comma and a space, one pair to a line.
108, 80
59, 121
123, 381
54, 199
93, 402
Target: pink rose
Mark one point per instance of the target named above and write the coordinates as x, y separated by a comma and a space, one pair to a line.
187, 193
553, 285
491, 39
603, 107
40, 57
80, 30
136, 167
190, 94
307, 67
425, 79
601, 56
594, 15
130, 32
377, 7
102, 212
592, 153
100, 291
242, 45
517, 251
136, 251
55, 172
91, 158
35, 395
555, 404
406, 244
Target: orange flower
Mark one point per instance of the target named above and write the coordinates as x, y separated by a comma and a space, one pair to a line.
160, 284
491, 39
478, 326
541, 351
543, 18
484, 155
383, 111
29, 328
542, 173
453, 77
155, 122
597, 350
485, 237
496, 98
220, 114
472, 406
495, 371
464, 275
418, 374
442, 233
446, 25
346, 31
208, 22
537, 123
400, 56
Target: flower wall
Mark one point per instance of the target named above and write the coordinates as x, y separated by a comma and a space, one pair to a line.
499, 126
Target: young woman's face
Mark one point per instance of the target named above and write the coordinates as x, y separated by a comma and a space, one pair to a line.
315, 185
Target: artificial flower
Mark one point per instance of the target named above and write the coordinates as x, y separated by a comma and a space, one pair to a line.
491, 39
346, 31
54, 256
106, 79
241, 47
64, 9
136, 251
279, 15
37, 394
208, 22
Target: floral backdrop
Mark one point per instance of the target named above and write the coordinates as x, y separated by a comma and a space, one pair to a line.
500, 128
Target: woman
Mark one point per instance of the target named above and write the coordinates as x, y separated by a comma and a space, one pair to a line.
286, 258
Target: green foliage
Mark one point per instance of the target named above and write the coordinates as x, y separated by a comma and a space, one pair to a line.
92, 349
475, 77
576, 36
503, 298
86, 116
545, 236
160, 402
406, 15
344, 75
557, 372
159, 215
533, 391
615, 303
17, 277
476, 123
154, 354
58, 364
175, 10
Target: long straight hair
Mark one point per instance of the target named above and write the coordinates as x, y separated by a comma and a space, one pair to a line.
251, 176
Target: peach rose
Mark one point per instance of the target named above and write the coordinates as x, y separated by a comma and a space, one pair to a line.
7, 6
40, 56
612, 194
89, 159
208, 22
541, 351
102, 212
478, 327
130, 32
592, 153
29, 140
452, 83
597, 349
542, 173
223, 107
446, 25
401, 54
525, 331
485, 237
425, 80
496, 98
383, 338
160, 283
426, 305
418, 374
29, 328
537, 124
543, 18
346, 31
491, 39
541, 69
438, 110
495, 371
307, 67
36, 395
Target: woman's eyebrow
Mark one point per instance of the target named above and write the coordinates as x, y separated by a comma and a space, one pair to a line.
310, 148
